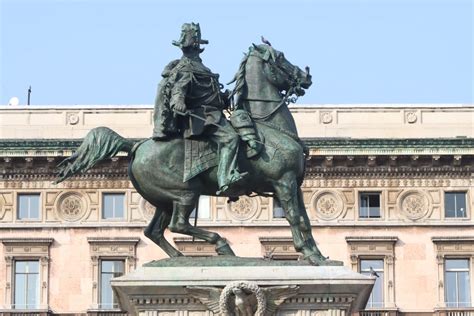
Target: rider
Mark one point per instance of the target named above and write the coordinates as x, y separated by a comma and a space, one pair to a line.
190, 87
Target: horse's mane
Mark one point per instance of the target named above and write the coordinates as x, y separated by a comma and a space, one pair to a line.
239, 80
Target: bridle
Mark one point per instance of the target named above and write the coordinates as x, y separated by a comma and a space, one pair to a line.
287, 98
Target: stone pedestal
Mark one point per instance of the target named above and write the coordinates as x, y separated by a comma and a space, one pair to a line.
241, 286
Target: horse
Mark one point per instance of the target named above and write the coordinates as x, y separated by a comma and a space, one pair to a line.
264, 84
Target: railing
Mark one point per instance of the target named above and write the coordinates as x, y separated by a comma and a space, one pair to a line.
378, 313
459, 313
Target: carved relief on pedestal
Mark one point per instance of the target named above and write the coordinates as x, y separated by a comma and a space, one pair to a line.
243, 298
327, 205
244, 208
71, 206
414, 205
148, 210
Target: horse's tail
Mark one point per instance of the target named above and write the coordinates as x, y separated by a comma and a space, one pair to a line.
99, 144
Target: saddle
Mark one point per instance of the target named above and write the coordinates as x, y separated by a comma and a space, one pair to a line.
202, 154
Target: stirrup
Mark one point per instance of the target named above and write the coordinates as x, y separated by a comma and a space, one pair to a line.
238, 177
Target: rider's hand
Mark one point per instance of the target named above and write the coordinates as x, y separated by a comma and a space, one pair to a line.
180, 107
253, 144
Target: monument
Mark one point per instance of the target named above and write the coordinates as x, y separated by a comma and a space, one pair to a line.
195, 150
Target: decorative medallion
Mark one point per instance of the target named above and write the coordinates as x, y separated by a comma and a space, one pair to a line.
148, 210
414, 205
244, 208
326, 117
71, 206
73, 118
328, 205
411, 117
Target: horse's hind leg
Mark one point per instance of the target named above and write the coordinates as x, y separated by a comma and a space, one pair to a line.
156, 229
180, 224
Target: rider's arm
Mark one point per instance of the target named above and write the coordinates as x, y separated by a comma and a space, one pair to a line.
179, 91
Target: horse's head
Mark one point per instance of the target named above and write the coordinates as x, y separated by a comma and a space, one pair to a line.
280, 72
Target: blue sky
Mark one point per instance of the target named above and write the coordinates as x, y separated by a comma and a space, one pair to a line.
359, 51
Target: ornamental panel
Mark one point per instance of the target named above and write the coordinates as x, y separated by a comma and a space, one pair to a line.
244, 208
147, 209
414, 204
71, 206
327, 205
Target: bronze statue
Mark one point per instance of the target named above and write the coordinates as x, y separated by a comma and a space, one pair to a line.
171, 172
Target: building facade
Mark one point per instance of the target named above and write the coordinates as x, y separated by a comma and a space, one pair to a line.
388, 189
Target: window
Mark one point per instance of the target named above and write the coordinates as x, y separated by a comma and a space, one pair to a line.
26, 285
27, 273
457, 291
110, 257
113, 205
374, 268
278, 211
372, 255
204, 211
369, 205
109, 269
28, 206
455, 204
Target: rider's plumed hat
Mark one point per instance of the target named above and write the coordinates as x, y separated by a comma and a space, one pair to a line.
190, 37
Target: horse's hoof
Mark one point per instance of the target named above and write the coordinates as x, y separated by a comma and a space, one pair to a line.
223, 248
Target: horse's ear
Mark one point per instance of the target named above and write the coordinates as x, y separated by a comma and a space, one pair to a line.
272, 53
255, 47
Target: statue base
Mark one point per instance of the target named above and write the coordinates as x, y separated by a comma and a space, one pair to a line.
241, 286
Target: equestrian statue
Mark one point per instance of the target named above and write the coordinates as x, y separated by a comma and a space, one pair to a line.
195, 150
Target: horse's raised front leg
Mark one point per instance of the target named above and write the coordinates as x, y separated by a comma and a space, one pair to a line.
180, 224
288, 194
156, 229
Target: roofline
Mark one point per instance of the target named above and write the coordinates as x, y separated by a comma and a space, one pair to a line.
292, 106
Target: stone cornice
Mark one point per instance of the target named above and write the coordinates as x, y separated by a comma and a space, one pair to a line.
452, 239
391, 239
390, 146
27, 241
113, 240
275, 239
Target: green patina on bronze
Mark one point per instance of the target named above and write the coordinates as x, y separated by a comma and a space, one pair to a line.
189, 108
